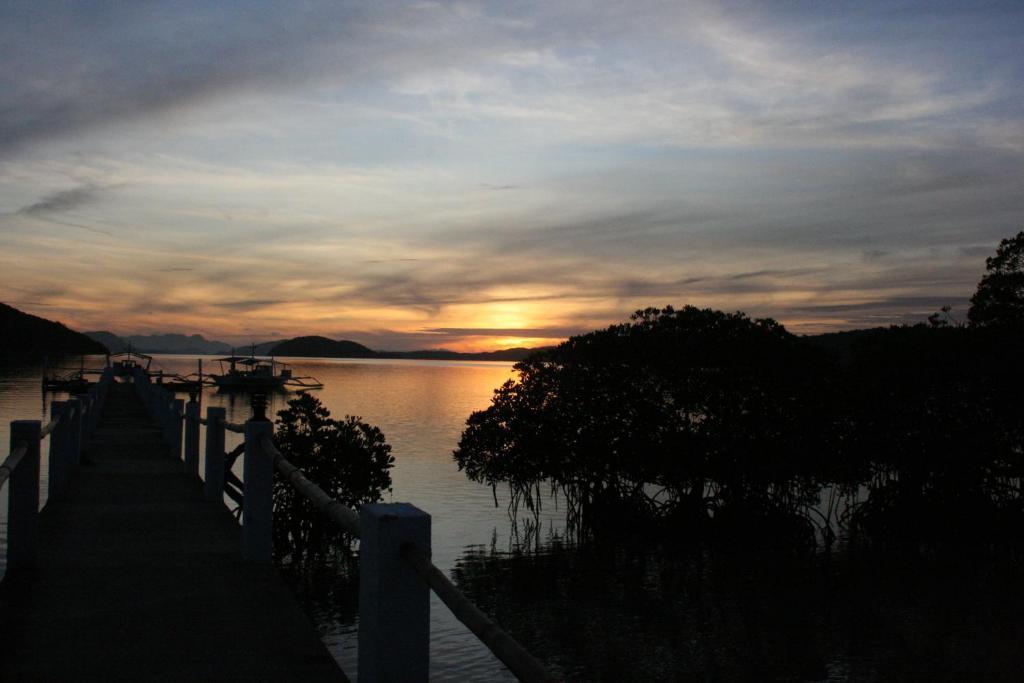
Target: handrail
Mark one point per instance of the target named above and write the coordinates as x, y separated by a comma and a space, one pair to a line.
505, 647
234, 427
342, 515
50, 426
11, 462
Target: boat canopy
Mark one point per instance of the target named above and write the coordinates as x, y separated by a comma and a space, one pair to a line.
130, 355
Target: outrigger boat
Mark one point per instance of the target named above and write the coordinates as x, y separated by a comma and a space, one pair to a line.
76, 380
125, 362
249, 373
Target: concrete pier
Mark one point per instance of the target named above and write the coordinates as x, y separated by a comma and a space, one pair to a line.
139, 577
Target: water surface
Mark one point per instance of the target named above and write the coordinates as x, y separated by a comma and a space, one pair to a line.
628, 608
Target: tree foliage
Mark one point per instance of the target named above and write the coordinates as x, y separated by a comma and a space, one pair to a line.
717, 423
348, 459
999, 300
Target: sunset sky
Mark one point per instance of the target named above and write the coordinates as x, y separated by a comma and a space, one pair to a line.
485, 175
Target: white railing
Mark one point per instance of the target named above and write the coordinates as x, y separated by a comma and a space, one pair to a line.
72, 423
396, 574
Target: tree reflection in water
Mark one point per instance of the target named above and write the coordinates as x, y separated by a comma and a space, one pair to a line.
631, 611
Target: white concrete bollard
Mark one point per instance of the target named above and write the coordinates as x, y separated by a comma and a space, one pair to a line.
174, 426
60, 463
394, 603
192, 438
23, 497
74, 436
213, 487
258, 501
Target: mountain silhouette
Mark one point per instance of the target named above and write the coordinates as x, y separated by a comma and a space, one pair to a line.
27, 336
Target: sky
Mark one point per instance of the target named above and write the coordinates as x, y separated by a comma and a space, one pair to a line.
485, 175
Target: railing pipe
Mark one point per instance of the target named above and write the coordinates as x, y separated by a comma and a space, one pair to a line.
10, 463
213, 486
234, 427
381, 528
333, 509
23, 496
513, 655
257, 508
192, 438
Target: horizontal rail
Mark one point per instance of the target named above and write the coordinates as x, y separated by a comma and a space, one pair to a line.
11, 463
50, 426
342, 515
234, 492
505, 647
234, 427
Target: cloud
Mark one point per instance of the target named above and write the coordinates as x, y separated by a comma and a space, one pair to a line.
688, 74
528, 332
353, 166
61, 201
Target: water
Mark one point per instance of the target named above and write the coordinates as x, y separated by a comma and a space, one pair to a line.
630, 608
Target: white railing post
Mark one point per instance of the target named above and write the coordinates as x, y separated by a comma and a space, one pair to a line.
394, 604
192, 437
89, 400
176, 411
23, 497
90, 415
258, 499
83, 424
60, 465
94, 409
213, 487
163, 410
74, 436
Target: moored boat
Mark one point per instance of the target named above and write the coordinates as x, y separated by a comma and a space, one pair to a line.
249, 373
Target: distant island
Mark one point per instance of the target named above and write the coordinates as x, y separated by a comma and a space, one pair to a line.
322, 347
36, 337
29, 336
159, 343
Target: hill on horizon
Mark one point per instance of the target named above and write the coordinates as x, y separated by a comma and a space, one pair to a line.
160, 343
306, 346
315, 346
26, 335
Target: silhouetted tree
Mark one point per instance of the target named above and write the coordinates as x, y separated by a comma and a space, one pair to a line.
687, 414
999, 300
726, 426
348, 459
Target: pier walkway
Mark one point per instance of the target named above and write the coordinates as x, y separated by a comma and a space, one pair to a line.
139, 577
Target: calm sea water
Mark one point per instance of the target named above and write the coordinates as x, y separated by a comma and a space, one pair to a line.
627, 609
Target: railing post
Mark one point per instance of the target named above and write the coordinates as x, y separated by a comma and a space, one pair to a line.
94, 409
23, 497
213, 487
176, 410
83, 424
258, 501
163, 410
74, 440
192, 437
90, 398
60, 464
394, 604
